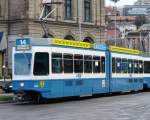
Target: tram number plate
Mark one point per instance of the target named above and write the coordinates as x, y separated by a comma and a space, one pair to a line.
103, 84
23, 44
130, 75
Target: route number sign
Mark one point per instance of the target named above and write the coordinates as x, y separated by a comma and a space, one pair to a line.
23, 44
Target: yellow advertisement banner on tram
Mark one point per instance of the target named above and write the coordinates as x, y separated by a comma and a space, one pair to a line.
124, 50
71, 43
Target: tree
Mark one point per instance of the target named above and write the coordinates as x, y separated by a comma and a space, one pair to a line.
140, 20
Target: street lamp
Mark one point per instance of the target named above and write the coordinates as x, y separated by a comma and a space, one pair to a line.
115, 1
79, 19
4, 67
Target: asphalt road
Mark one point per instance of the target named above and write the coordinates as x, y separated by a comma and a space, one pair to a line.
121, 107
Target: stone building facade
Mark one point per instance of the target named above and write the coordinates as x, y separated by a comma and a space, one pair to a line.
4, 16
22, 17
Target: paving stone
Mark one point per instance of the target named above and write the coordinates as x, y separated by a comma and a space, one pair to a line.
121, 107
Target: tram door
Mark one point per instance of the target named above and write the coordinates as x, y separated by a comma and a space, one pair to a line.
82, 68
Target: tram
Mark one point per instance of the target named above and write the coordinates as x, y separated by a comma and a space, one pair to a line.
56, 68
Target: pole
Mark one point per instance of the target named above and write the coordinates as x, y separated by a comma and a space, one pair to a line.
79, 21
149, 42
115, 24
115, 1
4, 67
140, 40
80, 30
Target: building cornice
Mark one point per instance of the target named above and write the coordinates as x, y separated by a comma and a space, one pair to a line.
73, 24
63, 23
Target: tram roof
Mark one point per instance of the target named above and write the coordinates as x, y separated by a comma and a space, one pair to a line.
99, 46
77, 44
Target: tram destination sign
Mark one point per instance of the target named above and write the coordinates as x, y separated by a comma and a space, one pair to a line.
23, 44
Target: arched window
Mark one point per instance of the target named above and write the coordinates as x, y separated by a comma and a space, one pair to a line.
48, 36
87, 10
88, 39
68, 9
69, 37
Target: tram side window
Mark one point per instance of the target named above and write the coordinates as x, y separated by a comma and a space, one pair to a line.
130, 66
136, 66
68, 63
41, 63
113, 65
140, 66
87, 64
118, 65
124, 66
57, 63
78, 63
146, 66
96, 64
103, 64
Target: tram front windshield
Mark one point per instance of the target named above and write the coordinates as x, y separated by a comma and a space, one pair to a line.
22, 63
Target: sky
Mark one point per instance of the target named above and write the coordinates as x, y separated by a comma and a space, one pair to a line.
121, 2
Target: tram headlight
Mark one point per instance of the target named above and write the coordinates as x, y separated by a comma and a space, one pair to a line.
22, 84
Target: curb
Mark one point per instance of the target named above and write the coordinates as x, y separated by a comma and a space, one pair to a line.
6, 94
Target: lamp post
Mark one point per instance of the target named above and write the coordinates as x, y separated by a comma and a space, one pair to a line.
140, 40
4, 67
79, 19
115, 1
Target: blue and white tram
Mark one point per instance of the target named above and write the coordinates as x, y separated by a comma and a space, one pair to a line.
127, 72
54, 71
58, 71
